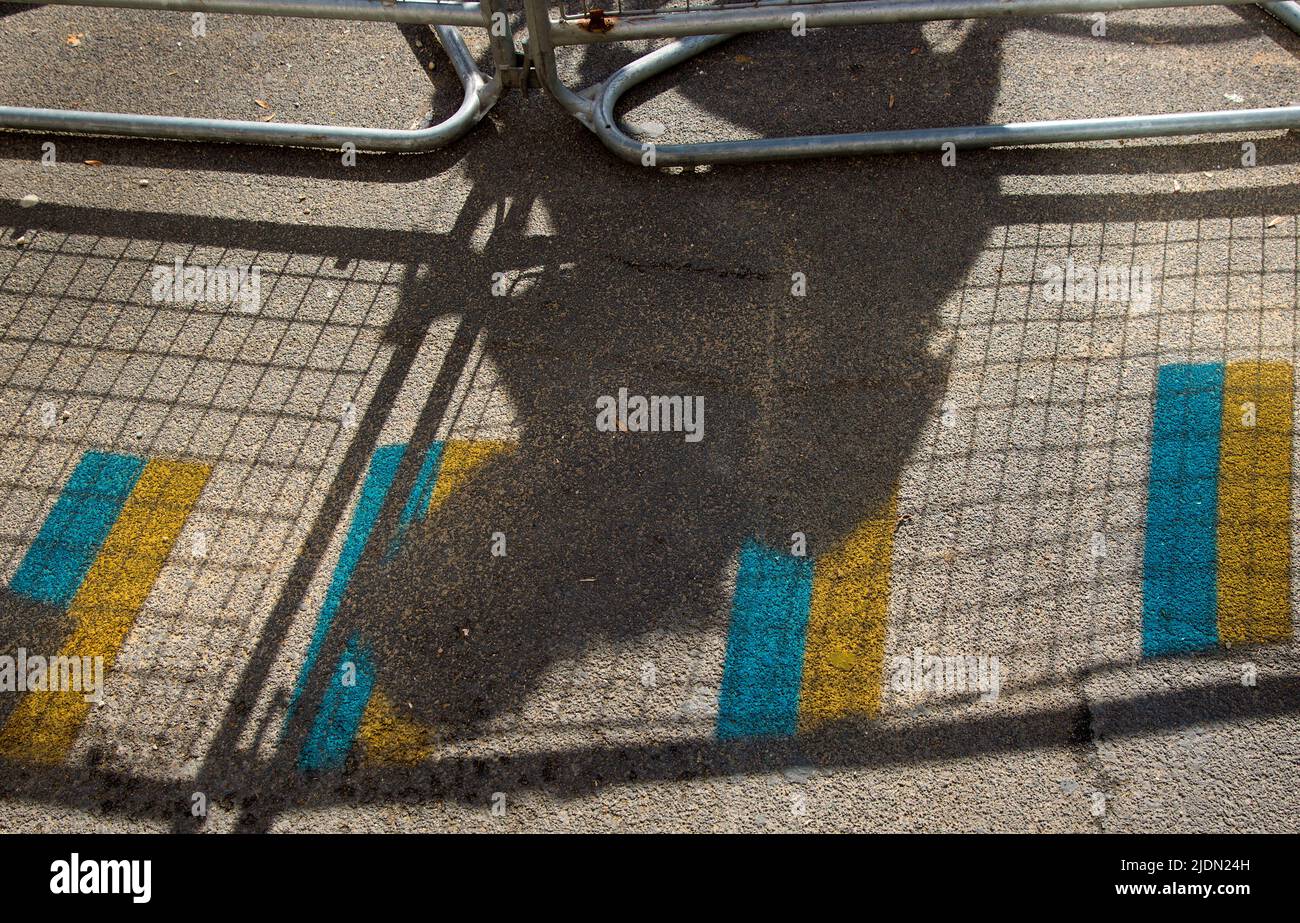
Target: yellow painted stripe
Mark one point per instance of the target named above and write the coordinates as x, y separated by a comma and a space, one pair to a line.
45, 724
460, 459
844, 652
1254, 534
388, 737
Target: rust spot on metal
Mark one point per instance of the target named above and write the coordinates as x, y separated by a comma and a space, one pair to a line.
596, 21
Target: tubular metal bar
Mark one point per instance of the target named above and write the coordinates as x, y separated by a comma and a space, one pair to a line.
413, 12
595, 106
480, 95
506, 59
605, 125
1287, 12
779, 14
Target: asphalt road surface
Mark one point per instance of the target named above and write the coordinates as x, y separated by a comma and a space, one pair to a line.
1082, 505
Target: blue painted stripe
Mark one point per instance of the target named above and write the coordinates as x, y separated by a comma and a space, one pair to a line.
334, 728
379, 478
75, 529
1179, 601
417, 503
763, 669
342, 707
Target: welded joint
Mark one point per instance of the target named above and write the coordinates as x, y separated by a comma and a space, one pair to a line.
596, 21
487, 92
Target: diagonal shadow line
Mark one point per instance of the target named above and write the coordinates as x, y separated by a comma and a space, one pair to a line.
345, 243
851, 744
1127, 33
346, 622
226, 764
1151, 207
575, 773
224, 752
97, 790
1270, 24
381, 245
353, 243
283, 764
356, 243
434, 410
422, 41
1140, 159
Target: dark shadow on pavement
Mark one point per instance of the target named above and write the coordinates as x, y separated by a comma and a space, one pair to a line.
663, 284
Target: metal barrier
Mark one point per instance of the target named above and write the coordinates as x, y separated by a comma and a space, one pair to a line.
694, 28
480, 90
701, 27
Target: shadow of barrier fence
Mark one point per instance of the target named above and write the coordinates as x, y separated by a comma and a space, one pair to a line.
692, 28
349, 315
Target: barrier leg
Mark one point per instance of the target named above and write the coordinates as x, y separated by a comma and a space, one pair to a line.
595, 106
480, 91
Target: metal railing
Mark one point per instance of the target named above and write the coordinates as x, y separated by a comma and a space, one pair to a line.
698, 27
481, 90
694, 27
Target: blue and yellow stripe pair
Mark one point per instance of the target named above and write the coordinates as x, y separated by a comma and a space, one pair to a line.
1217, 562
96, 556
806, 645
357, 710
